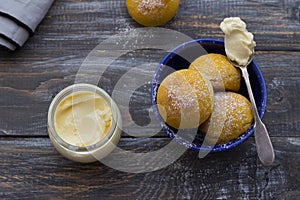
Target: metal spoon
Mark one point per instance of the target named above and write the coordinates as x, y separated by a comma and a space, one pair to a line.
264, 146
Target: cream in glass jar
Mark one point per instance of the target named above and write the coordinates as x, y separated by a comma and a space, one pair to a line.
84, 123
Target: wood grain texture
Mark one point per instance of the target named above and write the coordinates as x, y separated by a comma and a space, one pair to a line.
270, 21
80, 25
32, 168
26, 95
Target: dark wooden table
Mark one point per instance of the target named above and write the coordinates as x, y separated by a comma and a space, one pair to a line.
30, 77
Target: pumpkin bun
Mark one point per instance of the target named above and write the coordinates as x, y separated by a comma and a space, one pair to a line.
217, 68
232, 116
152, 12
185, 99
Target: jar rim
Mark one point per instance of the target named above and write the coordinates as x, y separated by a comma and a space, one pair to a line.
82, 87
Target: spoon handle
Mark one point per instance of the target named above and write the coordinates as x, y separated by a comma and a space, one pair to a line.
264, 145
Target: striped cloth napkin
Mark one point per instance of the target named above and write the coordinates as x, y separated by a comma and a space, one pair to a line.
19, 19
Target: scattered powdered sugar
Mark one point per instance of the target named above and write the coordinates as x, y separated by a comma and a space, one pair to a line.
145, 6
236, 108
180, 98
188, 94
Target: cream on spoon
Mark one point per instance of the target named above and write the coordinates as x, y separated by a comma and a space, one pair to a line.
239, 43
239, 48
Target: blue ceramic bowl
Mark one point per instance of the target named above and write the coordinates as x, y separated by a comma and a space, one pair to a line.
180, 58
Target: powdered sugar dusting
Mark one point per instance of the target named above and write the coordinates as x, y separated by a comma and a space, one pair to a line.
180, 99
237, 112
187, 96
146, 6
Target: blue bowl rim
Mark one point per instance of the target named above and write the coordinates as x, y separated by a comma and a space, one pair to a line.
216, 148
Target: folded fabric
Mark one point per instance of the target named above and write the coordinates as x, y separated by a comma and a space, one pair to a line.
19, 19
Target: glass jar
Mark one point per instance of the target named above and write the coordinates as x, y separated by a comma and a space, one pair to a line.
94, 152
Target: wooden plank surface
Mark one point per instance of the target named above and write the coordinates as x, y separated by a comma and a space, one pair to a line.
235, 174
275, 23
31, 76
32, 90
80, 25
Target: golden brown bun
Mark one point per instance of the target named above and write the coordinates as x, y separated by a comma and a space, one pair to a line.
185, 99
232, 116
219, 71
152, 12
